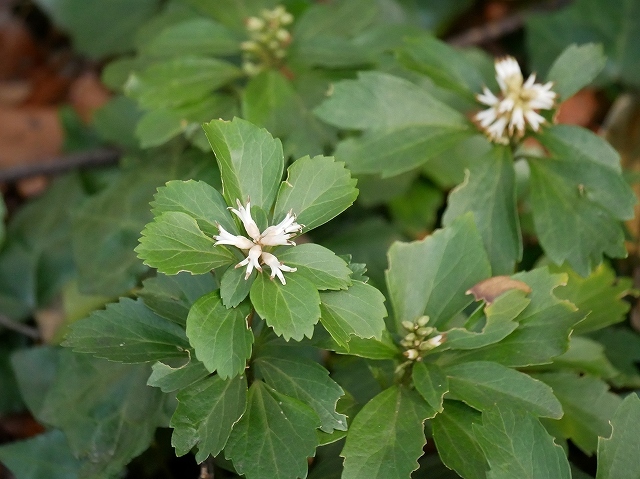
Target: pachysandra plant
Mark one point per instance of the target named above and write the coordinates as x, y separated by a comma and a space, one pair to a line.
224, 347
259, 60
407, 126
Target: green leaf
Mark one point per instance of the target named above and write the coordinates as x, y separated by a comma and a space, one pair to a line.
197, 199
307, 381
170, 379
378, 100
35, 371
330, 52
172, 296
234, 288
432, 384
622, 348
358, 311
107, 226
386, 348
405, 126
233, 12
282, 107
517, 445
197, 36
336, 18
587, 159
316, 190
456, 443
206, 413
586, 356
156, 127
544, 326
220, 336
46, 456
291, 309
617, 455
173, 242
446, 66
127, 332
111, 395
588, 407
115, 122
600, 294
386, 438
611, 23
482, 384
489, 191
251, 161
12, 399
274, 437
179, 81
431, 277
319, 265
577, 198
576, 68
98, 29
500, 321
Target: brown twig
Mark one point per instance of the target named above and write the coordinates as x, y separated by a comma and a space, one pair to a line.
499, 28
62, 164
23, 329
206, 469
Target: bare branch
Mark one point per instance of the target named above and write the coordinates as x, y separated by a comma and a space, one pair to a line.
62, 164
494, 30
28, 331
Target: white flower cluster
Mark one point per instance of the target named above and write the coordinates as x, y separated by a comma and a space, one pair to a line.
420, 338
508, 116
275, 235
268, 41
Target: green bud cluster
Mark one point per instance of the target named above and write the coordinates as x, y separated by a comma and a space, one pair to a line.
420, 338
268, 40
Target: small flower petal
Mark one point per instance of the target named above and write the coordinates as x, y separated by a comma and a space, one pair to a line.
244, 213
276, 266
251, 261
226, 238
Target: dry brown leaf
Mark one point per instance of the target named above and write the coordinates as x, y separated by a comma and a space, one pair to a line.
622, 129
28, 135
18, 51
87, 94
489, 289
580, 109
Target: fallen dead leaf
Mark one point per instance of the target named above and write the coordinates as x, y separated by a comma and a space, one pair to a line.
580, 109
87, 94
18, 51
489, 289
14, 92
622, 129
32, 186
28, 135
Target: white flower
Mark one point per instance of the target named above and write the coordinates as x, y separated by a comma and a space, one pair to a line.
238, 241
507, 117
279, 234
275, 235
244, 213
252, 260
276, 266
